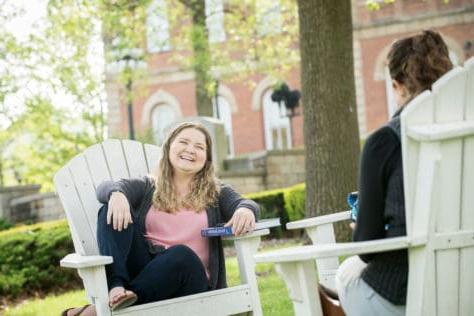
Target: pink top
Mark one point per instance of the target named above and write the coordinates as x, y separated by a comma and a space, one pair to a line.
183, 227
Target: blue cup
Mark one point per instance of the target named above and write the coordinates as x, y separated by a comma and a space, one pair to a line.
353, 201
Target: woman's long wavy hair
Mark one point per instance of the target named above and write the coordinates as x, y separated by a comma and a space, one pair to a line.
204, 187
418, 61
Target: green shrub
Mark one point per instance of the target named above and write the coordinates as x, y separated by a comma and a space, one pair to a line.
5, 224
288, 203
295, 197
29, 259
272, 204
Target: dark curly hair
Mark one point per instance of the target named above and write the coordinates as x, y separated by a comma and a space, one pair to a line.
418, 61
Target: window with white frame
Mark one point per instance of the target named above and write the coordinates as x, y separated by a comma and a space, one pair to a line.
391, 100
223, 111
157, 27
215, 20
162, 116
268, 17
276, 124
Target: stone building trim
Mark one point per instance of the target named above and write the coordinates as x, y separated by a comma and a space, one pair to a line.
260, 90
167, 77
454, 46
359, 88
414, 24
380, 63
227, 94
157, 98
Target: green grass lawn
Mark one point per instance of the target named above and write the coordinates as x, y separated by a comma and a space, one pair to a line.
273, 295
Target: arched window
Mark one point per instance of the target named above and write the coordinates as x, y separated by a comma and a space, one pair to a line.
223, 111
277, 126
162, 116
157, 27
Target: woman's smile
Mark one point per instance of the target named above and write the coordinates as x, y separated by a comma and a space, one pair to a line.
188, 151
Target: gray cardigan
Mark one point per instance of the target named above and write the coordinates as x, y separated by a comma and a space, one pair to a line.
139, 193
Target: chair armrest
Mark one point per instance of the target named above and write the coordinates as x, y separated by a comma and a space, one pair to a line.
304, 253
320, 220
262, 228
74, 260
255, 233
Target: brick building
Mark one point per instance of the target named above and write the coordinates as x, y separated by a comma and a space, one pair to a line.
251, 119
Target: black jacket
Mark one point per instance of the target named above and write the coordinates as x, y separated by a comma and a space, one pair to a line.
382, 211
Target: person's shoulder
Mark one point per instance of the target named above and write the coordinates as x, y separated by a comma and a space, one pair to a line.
382, 140
147, 179
224, 188
223, 185
382, 136
144, 183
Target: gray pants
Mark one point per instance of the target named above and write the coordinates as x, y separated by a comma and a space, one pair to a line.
356, 297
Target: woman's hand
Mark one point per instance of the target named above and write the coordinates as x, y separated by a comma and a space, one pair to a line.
118, 212
242, 222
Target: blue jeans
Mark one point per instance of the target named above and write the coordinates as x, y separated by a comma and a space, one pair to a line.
357, 297
176, 271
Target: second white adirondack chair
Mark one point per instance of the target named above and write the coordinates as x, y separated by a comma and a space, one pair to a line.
437, 134
112, 160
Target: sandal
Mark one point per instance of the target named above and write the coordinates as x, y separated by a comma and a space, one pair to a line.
126, 300
83, 308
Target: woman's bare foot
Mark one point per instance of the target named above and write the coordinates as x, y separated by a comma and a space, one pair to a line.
119, 297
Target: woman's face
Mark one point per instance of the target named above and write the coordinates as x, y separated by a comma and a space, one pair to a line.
187, 152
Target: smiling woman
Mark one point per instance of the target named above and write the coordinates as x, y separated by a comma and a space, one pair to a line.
190, 160
152, 226
188, 152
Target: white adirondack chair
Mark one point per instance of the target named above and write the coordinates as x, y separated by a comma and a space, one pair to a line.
114, 159
437, 131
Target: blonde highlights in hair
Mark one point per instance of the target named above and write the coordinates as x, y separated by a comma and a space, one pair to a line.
204, 187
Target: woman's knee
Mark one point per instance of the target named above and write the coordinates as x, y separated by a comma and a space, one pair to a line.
183, 257
102, 224
349, 272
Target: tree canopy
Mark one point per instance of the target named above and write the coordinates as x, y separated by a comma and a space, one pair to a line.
73, 47
51, 97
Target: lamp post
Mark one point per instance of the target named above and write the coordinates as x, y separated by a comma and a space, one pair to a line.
290, 99
127, 62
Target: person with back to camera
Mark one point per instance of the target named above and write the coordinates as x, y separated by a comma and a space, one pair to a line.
151, 226
376, 284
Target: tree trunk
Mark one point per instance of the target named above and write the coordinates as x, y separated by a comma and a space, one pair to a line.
201, 58
331, 133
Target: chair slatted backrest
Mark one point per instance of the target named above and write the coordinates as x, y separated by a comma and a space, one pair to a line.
438, 158
76, 182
